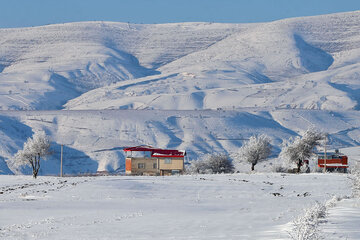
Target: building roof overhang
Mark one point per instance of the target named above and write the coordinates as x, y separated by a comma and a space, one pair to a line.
157, 152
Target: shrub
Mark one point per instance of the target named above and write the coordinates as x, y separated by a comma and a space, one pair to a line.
218, 163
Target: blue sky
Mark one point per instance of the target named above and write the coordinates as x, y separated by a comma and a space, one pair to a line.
23, 13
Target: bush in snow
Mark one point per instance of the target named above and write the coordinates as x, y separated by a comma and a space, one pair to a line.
301, 148
198, 166
218, 163
305, 227
34, 149
356, 185
257, 149
356, 182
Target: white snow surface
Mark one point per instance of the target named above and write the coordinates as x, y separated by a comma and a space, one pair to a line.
308, 62
231, 206
343, 220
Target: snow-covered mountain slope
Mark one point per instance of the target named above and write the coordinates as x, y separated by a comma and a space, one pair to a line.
43, 67
94, 139
310, 63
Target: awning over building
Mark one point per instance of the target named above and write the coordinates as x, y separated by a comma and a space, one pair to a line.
157, 152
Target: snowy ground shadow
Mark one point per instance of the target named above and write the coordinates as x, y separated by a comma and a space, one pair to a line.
13, 134
312, 59
146, 81
354, 94
127, 60
63, 92
4, 169
74, 162
249, 124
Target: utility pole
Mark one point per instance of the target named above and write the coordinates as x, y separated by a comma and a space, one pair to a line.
325, 157
61, 161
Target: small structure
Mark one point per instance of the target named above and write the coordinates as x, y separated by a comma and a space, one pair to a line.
146, 160
333, 161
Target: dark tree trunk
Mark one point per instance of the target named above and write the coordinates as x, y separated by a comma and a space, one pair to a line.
34, 173
299, 166
253, 166
35, 164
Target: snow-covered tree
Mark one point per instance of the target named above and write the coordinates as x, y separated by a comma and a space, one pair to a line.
257, 149
301, 148
34, 149
198, 166
218, 163
356, 180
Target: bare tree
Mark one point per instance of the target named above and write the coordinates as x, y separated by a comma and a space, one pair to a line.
34, 149
257, 149
301, 148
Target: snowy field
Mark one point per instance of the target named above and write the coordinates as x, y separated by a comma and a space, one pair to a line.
343, 220
234, 206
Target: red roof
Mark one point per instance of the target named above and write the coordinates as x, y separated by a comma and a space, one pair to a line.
157, 152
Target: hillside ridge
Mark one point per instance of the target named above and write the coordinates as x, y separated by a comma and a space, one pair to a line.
99, 86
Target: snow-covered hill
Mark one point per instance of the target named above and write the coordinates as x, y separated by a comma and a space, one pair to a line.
94, 139
43, 67
310, 62
203, 87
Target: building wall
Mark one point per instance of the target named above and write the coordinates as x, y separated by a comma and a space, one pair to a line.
149, 166
132, 165
128, 165
176, 164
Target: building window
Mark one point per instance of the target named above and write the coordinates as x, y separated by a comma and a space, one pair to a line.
141, 165
154, 165
167, 160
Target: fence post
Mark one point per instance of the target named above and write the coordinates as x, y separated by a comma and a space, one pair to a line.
61, 161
